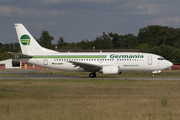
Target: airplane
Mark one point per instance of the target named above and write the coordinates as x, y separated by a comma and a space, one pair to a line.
103, 62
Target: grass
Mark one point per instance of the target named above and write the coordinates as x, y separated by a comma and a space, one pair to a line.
93, 99
8, 75
164, 73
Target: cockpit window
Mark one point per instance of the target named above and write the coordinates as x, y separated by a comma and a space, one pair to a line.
161, 58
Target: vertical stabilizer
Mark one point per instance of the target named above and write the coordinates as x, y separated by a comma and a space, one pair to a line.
27, 42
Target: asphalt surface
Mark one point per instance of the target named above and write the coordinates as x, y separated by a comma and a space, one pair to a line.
26, 74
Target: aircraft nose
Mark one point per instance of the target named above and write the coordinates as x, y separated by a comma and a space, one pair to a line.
169, 64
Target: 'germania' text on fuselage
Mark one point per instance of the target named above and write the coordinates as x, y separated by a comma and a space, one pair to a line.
126, 56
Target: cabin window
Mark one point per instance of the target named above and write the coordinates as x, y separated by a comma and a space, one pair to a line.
161, 58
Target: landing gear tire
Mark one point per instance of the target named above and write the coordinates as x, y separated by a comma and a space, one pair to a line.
153, 75
92, 75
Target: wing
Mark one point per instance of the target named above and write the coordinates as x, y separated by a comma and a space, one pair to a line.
86, 66
20, 54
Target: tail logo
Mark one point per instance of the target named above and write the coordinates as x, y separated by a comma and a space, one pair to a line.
25, 40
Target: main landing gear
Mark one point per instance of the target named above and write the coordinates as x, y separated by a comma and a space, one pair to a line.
91, 75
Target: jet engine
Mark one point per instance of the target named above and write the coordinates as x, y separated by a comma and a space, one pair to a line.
110, 70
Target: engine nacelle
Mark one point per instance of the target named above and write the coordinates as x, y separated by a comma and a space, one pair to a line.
110, 70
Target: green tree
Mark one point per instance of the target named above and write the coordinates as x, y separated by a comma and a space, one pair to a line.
152, 35
4, 56
63, 45
157, 35
115, 40
130, 41
84, 44
103, 42
45, 40
60, 41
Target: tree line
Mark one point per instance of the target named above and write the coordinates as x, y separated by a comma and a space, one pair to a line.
161, 40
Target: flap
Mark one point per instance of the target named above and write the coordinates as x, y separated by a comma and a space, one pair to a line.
86, 66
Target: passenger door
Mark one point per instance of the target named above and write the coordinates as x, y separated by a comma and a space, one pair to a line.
149, 60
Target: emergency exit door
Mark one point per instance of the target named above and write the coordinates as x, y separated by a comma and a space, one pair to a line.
45, 60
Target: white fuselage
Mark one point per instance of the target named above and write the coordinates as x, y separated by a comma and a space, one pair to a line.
126, 61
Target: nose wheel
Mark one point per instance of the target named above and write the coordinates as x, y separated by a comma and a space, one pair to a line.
153, 75
92, 75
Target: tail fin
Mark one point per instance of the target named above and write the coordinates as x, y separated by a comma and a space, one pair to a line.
29, 45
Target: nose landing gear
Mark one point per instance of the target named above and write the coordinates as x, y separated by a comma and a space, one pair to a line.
154, 72
153, 75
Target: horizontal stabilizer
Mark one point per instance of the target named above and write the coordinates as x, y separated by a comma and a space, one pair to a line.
20, 54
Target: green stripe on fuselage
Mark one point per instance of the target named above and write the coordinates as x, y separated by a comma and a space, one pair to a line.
71, 56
